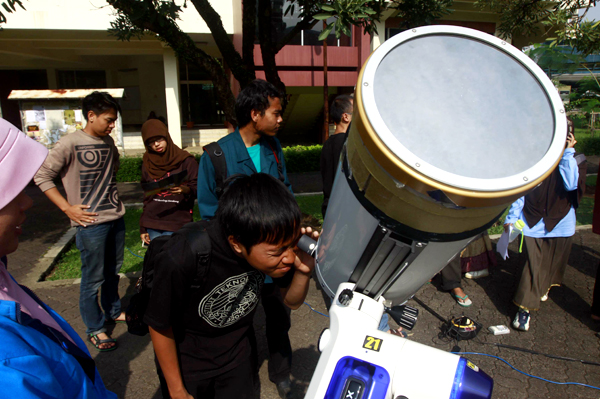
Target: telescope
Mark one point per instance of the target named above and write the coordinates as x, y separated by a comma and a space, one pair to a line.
450, 126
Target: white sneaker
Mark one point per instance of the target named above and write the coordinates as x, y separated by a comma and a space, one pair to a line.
477, 274
544, 298
521, 321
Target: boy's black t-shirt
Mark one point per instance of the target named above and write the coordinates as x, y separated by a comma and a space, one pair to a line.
212, 323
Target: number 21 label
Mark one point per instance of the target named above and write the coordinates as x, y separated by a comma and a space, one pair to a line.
372, 343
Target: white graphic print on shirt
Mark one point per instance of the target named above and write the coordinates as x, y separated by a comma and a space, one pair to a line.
231, 300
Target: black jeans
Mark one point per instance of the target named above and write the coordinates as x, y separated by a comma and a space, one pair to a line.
237, 383
596, 300
277, 326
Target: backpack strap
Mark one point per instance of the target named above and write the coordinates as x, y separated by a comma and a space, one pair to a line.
270, 142
215, 153
199, 241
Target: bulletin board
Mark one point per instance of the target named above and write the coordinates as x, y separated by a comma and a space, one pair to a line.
48, 115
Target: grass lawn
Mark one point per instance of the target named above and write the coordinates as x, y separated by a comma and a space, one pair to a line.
69, 266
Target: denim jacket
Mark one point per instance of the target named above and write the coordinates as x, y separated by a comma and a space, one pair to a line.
238, 161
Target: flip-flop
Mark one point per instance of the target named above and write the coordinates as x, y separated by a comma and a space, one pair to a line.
114, 321
399, 332
94, 340
463, 301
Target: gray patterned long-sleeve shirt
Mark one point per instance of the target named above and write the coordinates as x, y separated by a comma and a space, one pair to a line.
87, 166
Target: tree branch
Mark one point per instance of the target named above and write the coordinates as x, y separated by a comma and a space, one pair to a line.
144, 16
248, 33
266, 44
224, 43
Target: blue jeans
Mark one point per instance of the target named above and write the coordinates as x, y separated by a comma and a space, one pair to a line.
101, 247
384, 323
156, 233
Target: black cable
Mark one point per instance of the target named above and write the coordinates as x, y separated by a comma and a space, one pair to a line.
427, 308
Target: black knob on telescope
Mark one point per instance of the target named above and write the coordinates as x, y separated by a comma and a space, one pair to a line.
345, 297
405, 316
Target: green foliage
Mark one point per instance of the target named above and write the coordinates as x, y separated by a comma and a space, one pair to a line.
348, 13
298, 159
311, 205
527, 17
555, 59
127, 24
588, 145
302, 158
421, 12
130, 169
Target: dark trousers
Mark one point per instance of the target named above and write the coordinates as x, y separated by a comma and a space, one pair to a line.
545, 267
277, 326
237, 383
596, 300
451, 274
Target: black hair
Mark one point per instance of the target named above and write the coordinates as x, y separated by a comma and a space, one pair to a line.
340, 106
255, 96
259, 209
99, 102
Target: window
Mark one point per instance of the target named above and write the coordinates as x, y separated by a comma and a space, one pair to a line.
81, 79
199, 102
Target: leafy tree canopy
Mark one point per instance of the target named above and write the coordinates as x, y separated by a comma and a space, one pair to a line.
559, 19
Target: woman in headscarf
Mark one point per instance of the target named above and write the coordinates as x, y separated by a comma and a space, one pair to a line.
169, 176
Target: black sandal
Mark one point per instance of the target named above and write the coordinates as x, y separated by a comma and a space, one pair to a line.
94, 340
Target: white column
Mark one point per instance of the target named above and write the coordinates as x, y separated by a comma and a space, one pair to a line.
172, 95
378, 37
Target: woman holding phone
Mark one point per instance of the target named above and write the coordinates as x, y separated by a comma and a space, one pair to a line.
169, 176
549, 215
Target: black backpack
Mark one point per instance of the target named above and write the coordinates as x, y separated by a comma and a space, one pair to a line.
199, 241
215, 153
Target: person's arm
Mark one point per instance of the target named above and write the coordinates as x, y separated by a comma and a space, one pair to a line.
514, 212
166, 353
192, 170
207, 199
59, 158
76, 212
295, 294
569, 169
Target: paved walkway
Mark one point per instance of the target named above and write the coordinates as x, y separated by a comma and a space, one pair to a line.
562, 327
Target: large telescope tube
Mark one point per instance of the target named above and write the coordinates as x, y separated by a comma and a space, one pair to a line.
450, 126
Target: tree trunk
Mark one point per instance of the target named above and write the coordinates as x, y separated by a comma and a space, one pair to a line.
266, 44
185, 48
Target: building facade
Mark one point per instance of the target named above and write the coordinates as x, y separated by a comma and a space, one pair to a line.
65, 44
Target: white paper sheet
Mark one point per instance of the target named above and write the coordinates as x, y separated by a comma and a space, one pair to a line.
502, 245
